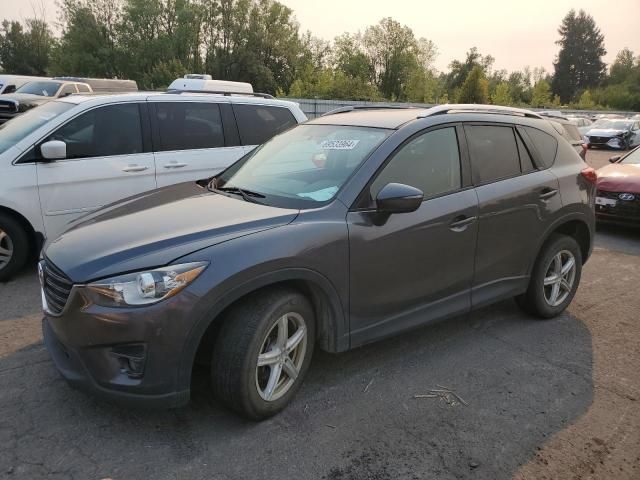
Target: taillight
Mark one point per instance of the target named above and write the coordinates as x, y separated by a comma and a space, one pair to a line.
590, 175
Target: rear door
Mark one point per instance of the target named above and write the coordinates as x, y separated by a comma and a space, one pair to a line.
107, 160
258, 123
517, 198
192, 140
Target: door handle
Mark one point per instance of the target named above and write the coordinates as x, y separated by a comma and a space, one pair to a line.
461, 223
547, 193
134, 168
174, 165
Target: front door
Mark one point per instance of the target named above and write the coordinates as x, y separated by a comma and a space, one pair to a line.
105, 162
409, 268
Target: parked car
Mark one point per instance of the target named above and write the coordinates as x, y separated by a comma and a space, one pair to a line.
9, 83
74, 155
570, 133
618, 195
583, 124
39, 92
411, 216
620, 134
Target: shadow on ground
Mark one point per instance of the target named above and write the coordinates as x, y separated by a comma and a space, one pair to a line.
523, 380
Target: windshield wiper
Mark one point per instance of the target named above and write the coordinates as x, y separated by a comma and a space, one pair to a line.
247, 195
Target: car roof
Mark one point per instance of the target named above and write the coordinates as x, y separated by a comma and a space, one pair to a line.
102, 98
391, 118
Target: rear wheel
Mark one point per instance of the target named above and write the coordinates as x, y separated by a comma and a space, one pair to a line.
14, 247
555, 278
263, 352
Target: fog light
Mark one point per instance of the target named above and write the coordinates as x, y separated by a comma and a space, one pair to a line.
131, 359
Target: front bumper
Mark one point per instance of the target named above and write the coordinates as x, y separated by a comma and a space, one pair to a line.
623, 212
618, 143
71, 367
133, 356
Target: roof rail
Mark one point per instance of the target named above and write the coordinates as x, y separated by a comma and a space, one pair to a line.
478, 108
351, 108
225, 93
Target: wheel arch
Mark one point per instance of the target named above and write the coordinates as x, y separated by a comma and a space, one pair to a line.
575, 225
332, 332
36, 239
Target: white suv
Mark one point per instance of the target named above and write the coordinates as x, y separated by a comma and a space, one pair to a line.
77, 154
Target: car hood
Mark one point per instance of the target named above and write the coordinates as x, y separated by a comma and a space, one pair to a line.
604, 132
156, 228
619, 177
26, 101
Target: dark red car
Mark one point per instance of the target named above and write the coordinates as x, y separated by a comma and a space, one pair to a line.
618, 196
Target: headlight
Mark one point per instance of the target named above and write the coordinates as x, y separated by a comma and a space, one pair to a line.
144, 288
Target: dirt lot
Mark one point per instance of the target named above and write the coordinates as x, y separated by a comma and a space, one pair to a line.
556, 399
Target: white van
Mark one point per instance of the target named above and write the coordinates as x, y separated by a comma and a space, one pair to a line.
10, 83
76, 154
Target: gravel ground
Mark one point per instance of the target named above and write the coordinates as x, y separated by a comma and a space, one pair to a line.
546, 399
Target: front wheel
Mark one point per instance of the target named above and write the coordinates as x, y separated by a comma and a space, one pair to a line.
263, 351
555, 278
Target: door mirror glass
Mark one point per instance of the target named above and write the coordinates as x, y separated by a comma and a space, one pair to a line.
53, 150
614, 159
398, 198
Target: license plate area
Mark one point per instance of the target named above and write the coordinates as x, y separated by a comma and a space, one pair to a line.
607, 202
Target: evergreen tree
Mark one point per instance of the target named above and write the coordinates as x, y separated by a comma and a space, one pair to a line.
579, 63
475, 88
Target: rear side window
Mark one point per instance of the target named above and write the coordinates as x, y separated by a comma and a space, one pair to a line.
188, 126
67, 89
258, 123
545, 144
494, 152
526, 163
103, 132
82, 88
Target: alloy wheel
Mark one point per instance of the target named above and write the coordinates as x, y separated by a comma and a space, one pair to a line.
6, 249
559, 278
281, 357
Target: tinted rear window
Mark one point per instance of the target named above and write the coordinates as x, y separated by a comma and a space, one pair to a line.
494, 152
189, 125
545, 144
258, 123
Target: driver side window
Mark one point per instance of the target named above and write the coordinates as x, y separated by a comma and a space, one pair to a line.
102, 132
430, 162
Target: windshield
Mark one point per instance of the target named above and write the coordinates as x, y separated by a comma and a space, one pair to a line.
44, 89
19, 127
304, 167
613, 124
633, 157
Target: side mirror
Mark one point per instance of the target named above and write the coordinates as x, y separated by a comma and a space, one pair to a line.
614, 159
398, 198
53, 150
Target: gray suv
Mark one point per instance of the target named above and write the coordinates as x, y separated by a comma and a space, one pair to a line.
347, 229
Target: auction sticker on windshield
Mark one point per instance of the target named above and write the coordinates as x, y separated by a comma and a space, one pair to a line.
339, 144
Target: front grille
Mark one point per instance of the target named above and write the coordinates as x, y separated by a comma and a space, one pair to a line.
56, 287
623, 207
599, 139
7, 106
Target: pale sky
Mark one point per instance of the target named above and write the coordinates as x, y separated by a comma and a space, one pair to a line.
516, 32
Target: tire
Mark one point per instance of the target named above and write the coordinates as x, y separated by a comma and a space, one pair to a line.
539, 300
14, 247
252, 329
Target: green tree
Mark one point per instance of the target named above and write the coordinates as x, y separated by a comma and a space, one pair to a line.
459, 71
541, 96
623, 67
586, 102
26, 49
579, 63
475, 88
502, 96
